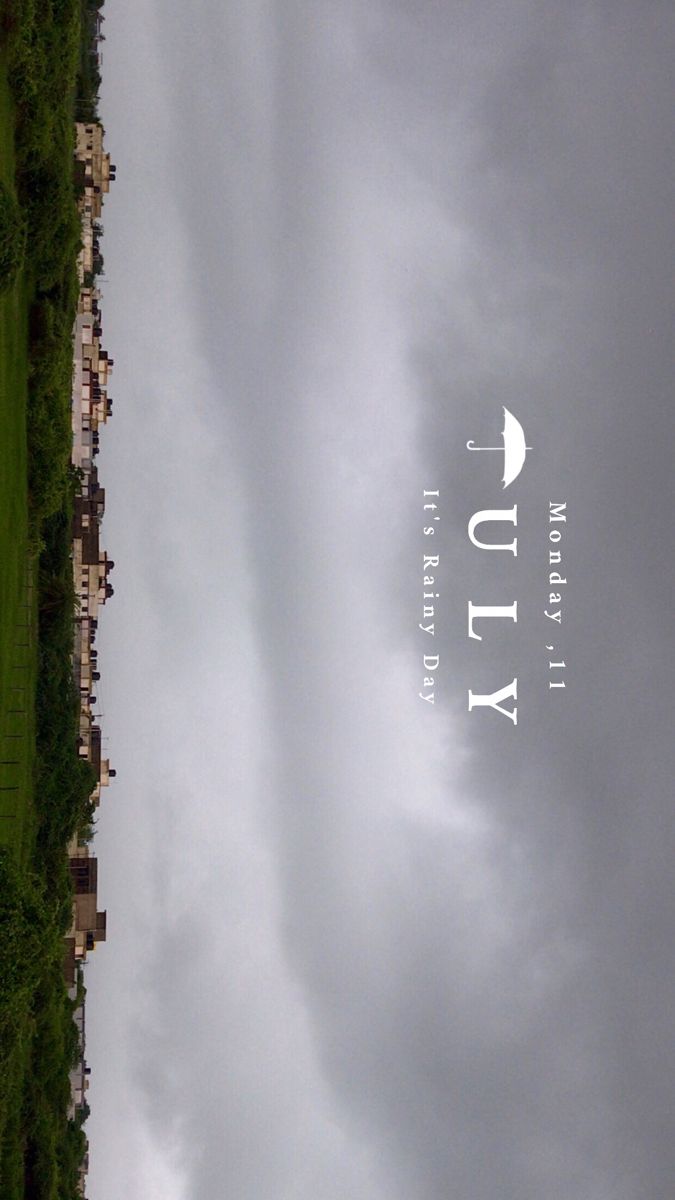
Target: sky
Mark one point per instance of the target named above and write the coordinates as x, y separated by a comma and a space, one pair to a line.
360, 945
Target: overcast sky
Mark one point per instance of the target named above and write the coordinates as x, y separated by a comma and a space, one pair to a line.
360, 945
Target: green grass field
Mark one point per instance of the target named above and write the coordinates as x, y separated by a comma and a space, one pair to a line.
45, 786
17, 591
18, 623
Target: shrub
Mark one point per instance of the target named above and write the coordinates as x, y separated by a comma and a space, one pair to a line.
12, 238
24, 939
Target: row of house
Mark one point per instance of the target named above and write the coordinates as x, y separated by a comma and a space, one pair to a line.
92, 570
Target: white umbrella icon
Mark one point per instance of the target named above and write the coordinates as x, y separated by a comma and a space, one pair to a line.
514, 448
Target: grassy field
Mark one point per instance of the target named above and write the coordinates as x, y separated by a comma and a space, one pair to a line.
44, 785
18, 625
17, 590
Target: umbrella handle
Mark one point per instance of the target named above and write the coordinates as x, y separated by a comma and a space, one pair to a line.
471, 446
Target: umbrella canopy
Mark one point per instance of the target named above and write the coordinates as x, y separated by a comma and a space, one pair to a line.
514, 448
